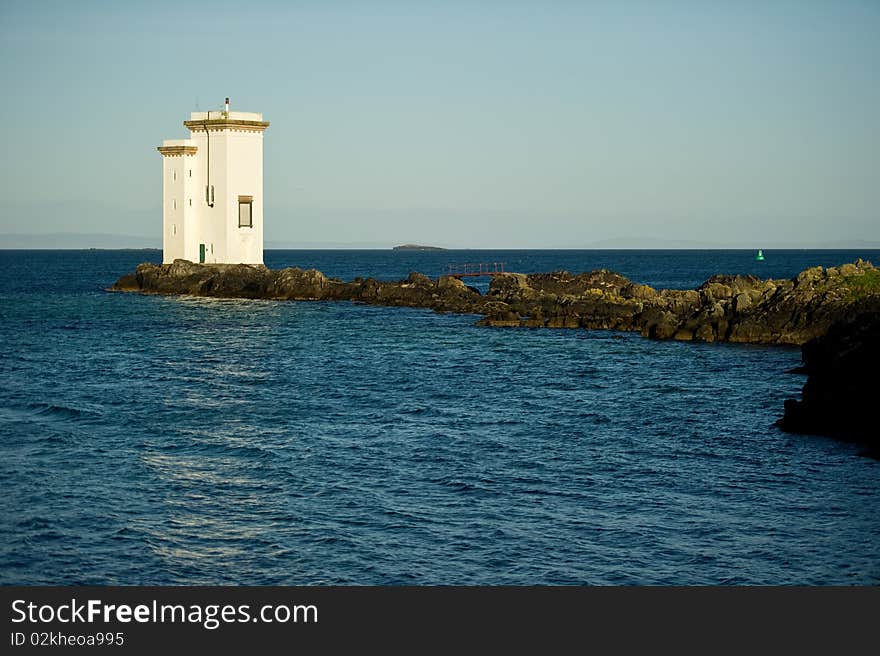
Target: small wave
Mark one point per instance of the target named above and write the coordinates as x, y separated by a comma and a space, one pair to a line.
595, 417
670, 389
415, 410
61, 411
34, 523
44, 411
458, 485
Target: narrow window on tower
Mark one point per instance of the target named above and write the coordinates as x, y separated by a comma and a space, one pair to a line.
245, 212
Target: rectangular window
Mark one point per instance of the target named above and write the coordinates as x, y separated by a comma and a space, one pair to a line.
245, 211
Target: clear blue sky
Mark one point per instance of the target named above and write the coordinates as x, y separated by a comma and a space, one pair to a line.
468, 124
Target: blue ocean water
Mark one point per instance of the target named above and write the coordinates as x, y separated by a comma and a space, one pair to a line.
160, 440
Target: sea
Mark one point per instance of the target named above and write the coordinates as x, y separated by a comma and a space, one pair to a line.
149, 440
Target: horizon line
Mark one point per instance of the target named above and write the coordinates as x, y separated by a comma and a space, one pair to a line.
871, 247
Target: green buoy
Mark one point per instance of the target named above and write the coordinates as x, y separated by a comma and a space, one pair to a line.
760, 256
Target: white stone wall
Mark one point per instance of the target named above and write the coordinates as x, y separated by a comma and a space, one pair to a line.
193, 192
236, 158
244, 177
211, 220
177, 214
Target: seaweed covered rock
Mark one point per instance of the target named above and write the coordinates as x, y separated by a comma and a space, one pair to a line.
296, 284
724, 308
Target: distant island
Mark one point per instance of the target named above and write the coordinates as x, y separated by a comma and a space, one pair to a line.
417, 247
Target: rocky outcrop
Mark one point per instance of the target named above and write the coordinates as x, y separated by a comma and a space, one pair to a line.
724, 308
445, 294
842, 384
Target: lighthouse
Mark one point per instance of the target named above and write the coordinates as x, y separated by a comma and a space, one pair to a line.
212, 189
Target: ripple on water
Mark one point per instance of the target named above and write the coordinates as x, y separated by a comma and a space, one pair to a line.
181, 441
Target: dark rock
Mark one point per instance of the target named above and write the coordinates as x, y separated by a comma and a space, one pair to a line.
639, 292
564, 283
127, 283
724, 308
499, 314
741, 302
840, 396
706, 332
419, 279
512, 287
298, 284
657, 323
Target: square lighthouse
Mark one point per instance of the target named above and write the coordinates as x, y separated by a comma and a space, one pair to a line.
212, 190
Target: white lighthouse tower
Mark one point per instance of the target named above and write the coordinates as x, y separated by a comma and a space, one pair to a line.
212, 190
